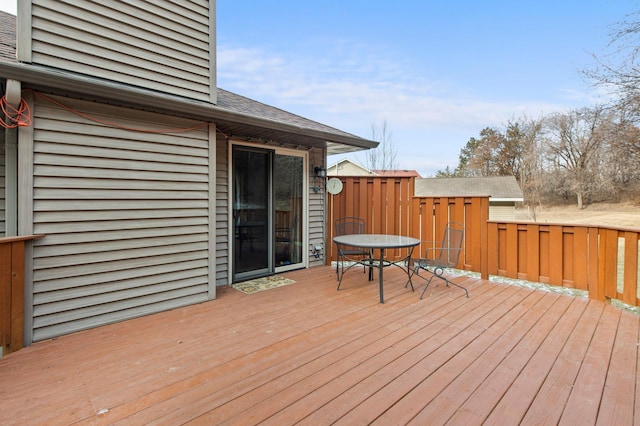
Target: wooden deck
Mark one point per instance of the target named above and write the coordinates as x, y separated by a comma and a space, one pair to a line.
306, 353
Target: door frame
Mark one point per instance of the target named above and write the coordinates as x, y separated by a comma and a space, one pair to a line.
305, 205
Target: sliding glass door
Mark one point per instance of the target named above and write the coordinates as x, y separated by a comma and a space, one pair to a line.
268, 211
289, 206
252, 251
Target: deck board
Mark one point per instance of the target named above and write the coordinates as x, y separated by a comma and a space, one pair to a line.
617, 406
480, 387
524, 388
584, 402
456, 353
308, 354
550, 401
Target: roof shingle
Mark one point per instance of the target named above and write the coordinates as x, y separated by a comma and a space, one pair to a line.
233, 103
7, 37
496, 187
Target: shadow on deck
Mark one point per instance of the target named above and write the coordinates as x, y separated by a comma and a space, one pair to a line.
308, 353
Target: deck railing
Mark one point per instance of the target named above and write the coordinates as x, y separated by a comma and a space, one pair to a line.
600, 260
12, 257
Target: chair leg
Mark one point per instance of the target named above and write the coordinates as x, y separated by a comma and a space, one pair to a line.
411, 273
457, 285
436, 273
427, 286
410, 282
416, 271
339, 270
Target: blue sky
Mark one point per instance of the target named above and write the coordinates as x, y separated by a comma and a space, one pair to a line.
437, 72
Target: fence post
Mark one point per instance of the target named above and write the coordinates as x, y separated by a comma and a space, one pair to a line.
12, 292
630, 289
607, 248
484, 237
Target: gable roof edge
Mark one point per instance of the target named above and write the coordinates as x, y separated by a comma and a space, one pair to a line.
45, 77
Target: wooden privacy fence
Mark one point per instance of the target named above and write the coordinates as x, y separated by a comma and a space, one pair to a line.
601, 260
383, 202
430, 216
389, 206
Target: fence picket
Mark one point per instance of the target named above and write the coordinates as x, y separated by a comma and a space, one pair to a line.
575, 256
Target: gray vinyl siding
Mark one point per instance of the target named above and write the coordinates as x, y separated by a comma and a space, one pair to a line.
223, 252
317, 207
502, 211
126, 216
2, 186
167, 46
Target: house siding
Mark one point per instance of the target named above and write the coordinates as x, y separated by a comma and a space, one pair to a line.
126, 215
2, 186
167, 46
502, 211
317, 208
348, 169
223, 252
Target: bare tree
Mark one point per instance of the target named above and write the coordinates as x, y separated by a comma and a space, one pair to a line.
621, 156
574, 140
617, 69
384, 156
531, 175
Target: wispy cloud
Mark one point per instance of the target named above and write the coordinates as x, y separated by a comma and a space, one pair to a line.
364, 87
353, 88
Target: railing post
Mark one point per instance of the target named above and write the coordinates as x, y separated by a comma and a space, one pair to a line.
630, 290
607, 265
484, 238
12, 292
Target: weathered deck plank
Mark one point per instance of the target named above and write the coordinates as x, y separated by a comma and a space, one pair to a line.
524, 388
309, 354
480, 387
617, 405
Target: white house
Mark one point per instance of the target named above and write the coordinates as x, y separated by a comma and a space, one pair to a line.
346, 167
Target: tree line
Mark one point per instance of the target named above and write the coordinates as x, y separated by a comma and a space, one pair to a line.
584, 155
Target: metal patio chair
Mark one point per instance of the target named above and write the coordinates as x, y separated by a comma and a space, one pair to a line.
441, 257
347, 226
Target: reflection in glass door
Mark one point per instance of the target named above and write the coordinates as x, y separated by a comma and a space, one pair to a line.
252, 247
288, 202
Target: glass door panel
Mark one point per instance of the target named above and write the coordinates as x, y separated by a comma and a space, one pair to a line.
288, 201
252, 247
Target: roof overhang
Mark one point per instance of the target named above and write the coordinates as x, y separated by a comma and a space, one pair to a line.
506, 200
233, 123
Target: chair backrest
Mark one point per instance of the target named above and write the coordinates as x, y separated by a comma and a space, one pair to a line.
349, 225
451, 245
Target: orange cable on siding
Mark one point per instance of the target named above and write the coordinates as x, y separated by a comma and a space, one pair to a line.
15, 117
119, 126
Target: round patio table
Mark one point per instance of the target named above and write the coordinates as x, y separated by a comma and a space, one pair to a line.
379, 242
